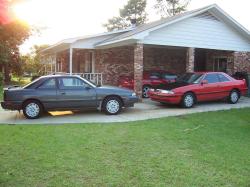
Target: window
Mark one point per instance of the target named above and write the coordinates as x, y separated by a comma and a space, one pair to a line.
223, 78
220, 64
71, 83
48, 84
212, 78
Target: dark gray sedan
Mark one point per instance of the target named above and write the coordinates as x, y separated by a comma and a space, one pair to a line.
65, 92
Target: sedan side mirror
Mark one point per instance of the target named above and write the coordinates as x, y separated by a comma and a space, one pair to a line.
204, 82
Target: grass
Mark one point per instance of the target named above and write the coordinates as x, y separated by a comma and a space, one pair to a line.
206, 149
21, 81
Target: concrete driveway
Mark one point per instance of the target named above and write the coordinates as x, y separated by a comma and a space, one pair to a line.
146, 110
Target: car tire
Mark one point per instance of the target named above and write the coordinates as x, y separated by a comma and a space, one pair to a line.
233, 97
112, 105
188, 100
145, 89
32, 109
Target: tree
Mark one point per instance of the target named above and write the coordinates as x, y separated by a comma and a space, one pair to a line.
12, 35
134, 9
32, 61
171, 7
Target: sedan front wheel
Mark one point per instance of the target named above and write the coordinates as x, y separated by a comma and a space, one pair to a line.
112, 105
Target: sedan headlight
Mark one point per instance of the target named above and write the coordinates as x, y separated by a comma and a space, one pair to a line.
166, 91
133, 94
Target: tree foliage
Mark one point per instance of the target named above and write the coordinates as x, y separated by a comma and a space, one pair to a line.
134, 9
32, 61
12, 35
171, 7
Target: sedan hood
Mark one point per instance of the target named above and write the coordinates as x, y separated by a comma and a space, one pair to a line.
172, 86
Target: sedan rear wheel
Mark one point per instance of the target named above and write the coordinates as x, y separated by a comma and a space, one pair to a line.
188, 100
233, 97
112, 105
32, 109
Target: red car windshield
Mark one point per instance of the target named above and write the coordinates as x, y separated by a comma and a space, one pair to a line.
191, 78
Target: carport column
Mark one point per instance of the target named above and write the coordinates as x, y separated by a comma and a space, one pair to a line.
138, 68
70, 60
190, 59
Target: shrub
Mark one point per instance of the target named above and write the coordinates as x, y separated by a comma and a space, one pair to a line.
1, 79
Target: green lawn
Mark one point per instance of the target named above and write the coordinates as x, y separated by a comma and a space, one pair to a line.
207, 149
16, 81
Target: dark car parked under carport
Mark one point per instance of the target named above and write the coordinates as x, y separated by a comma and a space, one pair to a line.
66, 92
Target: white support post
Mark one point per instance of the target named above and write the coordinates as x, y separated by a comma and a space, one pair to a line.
55, 63
93, 62
51, 67
70, 60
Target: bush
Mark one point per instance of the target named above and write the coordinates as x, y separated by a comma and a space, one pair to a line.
1, 79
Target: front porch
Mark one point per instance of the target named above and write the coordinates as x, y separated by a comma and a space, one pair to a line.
105, 66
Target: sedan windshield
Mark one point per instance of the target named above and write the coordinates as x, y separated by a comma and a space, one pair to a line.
191, 78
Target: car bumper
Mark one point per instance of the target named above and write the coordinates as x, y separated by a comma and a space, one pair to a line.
171, 99
11, 105
130, 101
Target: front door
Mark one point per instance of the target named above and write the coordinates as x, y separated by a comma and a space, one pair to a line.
211, 90
75, 93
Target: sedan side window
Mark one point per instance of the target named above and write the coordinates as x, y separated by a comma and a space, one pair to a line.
223, 78
48, 84
212, 78
71, 83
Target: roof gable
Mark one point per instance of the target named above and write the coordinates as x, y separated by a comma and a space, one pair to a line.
209, 12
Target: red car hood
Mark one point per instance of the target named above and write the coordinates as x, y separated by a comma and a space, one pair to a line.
174, 85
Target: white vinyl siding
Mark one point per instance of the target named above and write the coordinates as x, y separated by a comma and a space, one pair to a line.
199, 32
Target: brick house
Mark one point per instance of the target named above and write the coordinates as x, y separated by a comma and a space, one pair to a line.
206, 39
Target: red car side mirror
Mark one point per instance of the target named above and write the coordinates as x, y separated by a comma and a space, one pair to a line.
204, 82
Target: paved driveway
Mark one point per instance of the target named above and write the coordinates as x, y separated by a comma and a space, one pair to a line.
145, 110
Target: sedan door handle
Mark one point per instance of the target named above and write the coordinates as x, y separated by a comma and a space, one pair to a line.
63, 93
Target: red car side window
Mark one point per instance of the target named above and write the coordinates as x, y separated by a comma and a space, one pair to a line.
223, 78
212, 78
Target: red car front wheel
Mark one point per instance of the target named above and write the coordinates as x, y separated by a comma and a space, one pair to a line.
188, 100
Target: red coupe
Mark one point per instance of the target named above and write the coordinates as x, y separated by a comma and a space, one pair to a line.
151, 79
201, 86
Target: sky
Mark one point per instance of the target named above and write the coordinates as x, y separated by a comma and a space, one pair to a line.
61, 19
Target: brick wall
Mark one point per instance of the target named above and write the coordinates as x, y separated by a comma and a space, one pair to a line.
119, 61
138, 68
172, 60
242, 61
114, 62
